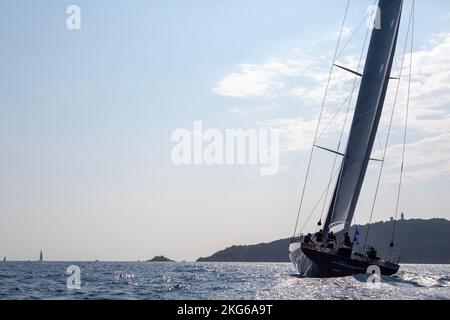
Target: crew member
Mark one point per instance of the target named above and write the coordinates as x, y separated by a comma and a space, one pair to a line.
347, 240
308, 238
319, 236
331, 237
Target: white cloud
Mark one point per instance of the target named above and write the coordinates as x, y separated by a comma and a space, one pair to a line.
427, 157
303, 77
430, 87
236, 110
346, 31
298, 134
252, 80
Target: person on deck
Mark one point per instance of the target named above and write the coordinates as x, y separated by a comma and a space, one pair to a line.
346, 247
331, 237
347, 240
331, 240
372, 253
319, 236
308, 238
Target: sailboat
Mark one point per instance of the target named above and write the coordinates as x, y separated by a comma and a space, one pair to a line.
4, 259
317, 255
41, 258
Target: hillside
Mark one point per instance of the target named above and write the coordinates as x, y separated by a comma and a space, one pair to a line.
416, 241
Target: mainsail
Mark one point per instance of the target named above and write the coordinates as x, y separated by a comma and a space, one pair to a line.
369, 106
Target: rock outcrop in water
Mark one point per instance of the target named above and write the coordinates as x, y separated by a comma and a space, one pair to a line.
416, 241
160, 259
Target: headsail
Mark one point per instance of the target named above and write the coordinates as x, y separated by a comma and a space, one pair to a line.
374, 83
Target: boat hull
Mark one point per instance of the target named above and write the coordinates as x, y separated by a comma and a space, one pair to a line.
314, 263
306, 267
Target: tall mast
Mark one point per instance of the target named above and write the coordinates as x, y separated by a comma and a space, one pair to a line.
369, 106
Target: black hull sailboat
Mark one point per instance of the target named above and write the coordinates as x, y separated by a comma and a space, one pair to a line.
329, 263
314, 260
316, 257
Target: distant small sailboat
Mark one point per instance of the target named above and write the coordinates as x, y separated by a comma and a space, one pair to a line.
4, 259
41, 258
330, 252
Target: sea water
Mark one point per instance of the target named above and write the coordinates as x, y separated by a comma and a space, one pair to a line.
149, 280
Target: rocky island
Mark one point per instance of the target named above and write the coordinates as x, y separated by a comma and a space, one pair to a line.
160, 259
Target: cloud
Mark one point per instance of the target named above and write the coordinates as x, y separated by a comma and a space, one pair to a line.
429, 118
236, 110
428, 158
346, 31
298, 133
428, 153
303, 78
430, 87
253, 80
250, 81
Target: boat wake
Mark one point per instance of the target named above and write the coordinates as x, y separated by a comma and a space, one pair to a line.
409, 279
420, 280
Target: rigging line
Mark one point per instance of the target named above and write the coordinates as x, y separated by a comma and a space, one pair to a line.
345, 122
333, 118
396, 66
329, 184
320, 118
317, 203
379, 144
406, 122
354, 33
352, 36
379, 140
389, 132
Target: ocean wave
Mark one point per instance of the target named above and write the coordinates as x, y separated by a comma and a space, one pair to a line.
215, 281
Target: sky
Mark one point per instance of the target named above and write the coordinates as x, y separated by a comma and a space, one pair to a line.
86, 118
